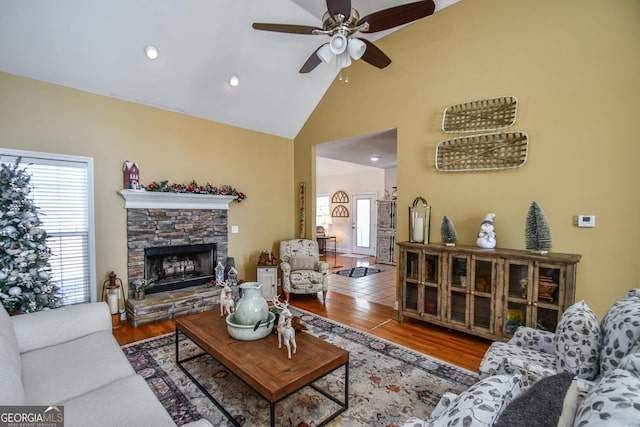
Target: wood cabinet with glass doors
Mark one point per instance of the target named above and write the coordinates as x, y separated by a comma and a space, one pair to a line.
484, 292
421, 284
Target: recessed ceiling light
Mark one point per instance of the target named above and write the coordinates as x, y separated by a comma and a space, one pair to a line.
151, 52
375, 158
234, 81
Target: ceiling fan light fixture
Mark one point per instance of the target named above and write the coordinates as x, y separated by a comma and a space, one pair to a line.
343, 60
356, 48
151, 52
325, 53
338, 43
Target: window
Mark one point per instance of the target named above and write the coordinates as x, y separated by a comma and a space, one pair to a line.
323, 208
63, 192
363, 222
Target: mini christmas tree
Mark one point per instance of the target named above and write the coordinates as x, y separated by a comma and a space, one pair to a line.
24, 256
537, 233
448, 231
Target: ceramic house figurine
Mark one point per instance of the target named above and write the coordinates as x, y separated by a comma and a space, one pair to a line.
232, 276
131, 176
219, 272
486, 236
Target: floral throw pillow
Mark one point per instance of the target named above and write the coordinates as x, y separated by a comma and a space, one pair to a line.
577, 342
482, 403
614, 401
620, 331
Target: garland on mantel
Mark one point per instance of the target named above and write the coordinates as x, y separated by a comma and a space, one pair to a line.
193, 187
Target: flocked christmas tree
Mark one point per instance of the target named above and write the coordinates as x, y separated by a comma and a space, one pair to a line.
448, 231
537, 233
25, 284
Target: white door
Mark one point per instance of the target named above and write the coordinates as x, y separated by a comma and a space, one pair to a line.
363, 223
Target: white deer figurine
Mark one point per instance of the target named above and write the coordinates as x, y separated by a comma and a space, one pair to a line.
285, 330
227, 304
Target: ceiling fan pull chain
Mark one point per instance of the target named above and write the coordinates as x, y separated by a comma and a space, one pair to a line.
346, 75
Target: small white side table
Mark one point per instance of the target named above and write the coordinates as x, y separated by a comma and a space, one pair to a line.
268, 276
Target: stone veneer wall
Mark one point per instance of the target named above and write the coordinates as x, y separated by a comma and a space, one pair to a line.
147, 228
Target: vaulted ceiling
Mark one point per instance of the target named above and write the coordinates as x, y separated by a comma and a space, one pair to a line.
97, 46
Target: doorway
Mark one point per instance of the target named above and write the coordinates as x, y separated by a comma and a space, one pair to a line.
364, 164
363, 225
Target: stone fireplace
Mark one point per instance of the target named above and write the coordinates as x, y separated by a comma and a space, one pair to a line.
176, 240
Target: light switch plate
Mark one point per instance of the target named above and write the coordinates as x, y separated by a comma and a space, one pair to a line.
235, 229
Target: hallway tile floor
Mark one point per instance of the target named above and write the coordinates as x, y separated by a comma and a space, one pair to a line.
379, 287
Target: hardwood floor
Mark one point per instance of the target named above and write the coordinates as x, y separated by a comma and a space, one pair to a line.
378, 319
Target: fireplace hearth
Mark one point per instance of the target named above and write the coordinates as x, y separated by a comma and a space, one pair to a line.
177, 267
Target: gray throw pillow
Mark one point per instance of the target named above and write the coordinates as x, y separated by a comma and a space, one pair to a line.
543, 405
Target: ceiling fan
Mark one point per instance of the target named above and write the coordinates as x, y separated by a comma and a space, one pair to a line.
340, 22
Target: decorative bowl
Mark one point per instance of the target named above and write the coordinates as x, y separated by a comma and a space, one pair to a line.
246, 332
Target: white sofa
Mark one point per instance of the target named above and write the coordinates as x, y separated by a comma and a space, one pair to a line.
68, 356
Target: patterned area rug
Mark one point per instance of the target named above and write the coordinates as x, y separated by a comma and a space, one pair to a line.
356, 272
387, 383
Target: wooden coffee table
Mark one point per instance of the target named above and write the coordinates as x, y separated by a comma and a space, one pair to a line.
261, 364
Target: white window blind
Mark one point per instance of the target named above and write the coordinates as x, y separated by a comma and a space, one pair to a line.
62, 191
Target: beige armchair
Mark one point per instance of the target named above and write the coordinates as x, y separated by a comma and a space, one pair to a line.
302, 270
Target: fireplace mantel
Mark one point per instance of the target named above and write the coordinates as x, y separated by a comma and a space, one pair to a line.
160, 200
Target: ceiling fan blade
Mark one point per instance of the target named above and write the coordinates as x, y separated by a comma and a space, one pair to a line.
399, 15
342, 7
313, 61
374, 56
285, 28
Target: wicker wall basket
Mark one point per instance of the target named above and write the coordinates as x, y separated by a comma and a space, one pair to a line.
481, 115
494, 151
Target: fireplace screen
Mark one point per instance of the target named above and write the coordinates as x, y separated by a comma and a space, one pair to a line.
177, 267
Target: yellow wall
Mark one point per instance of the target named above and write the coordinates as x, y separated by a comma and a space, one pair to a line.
43, 117
574, 67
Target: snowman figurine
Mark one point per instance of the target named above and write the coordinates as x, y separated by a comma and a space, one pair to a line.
486, 236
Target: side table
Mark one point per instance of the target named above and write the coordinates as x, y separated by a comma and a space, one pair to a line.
268, 276
324, 242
